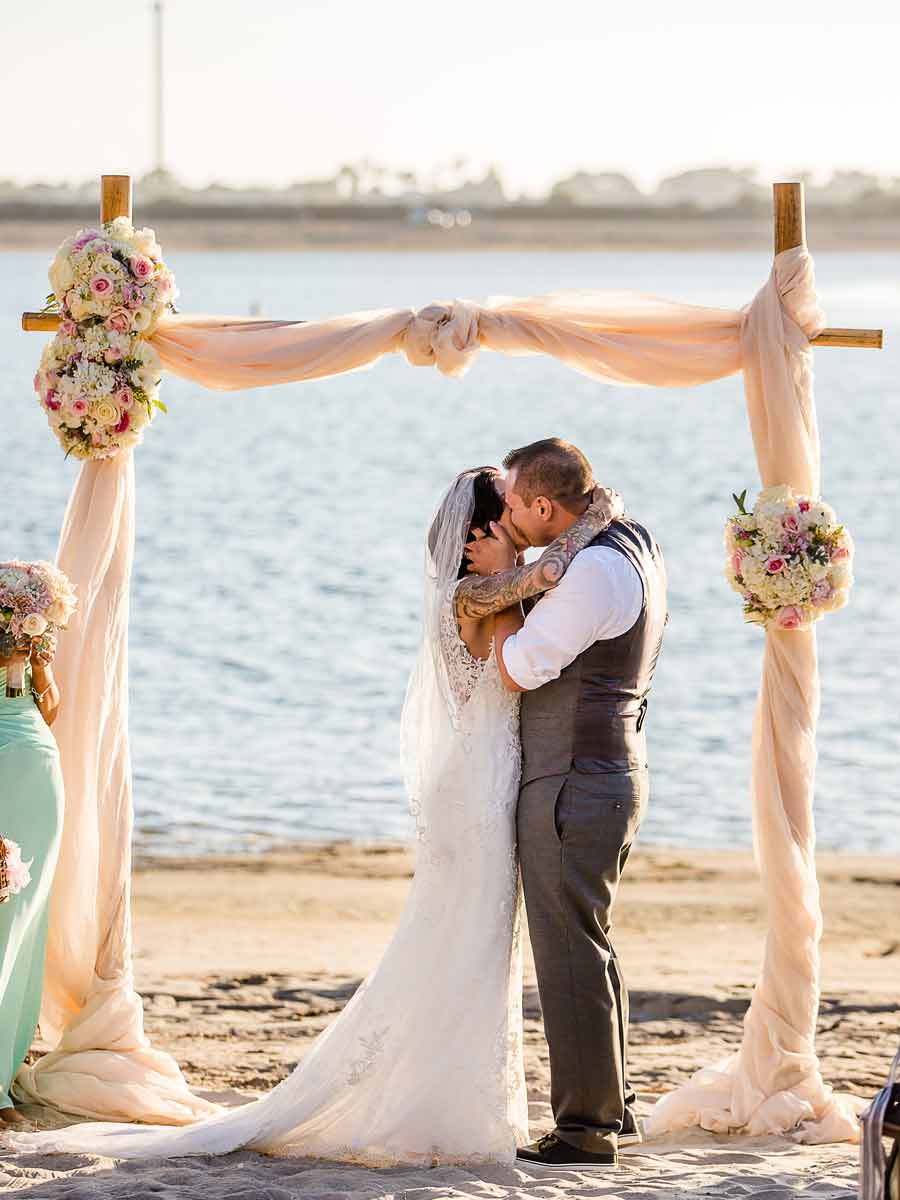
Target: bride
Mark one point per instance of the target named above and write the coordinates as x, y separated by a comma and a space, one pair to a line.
424, 1064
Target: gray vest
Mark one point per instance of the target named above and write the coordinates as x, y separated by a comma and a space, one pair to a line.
591, 717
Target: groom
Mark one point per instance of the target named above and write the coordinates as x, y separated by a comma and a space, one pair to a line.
584, 660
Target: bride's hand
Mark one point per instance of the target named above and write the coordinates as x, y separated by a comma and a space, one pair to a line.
606, 503
488, 555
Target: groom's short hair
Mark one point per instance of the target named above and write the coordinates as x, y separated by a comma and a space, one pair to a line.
551, 468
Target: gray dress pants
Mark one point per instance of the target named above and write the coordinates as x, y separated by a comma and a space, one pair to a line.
575, 832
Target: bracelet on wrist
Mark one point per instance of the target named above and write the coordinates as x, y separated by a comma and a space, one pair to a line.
39, 697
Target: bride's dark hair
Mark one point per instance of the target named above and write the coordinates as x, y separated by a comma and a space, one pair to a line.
488, 507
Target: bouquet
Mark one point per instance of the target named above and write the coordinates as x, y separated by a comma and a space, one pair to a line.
98, 379
789, 559
36, 599
14, 874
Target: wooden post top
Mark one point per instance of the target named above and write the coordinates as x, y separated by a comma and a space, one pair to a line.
115, 197
790, 221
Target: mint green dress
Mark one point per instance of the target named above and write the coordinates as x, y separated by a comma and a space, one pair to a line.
31, 813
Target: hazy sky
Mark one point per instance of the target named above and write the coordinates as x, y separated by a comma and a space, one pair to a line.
276, 90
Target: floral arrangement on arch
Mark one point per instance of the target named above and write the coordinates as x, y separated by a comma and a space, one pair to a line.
98, 380
788, 559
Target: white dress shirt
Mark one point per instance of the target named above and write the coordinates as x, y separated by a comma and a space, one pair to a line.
599, 597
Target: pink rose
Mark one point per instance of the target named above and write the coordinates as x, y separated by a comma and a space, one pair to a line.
839, 552
68, 328
78, 405
123, 424
775, 564
112, 355
736, 562
141, 266
790, 617
101, 285
118, 321
98, 439
804, 506
790, 523
124, 397
52, 401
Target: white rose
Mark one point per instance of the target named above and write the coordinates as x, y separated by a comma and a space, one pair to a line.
79, 308
61, 275
108, 265
34, 625
141, 319
58, 612
841, 575
121, 228
145, 242
105, 412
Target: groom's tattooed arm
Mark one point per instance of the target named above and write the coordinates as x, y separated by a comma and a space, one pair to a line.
480, 596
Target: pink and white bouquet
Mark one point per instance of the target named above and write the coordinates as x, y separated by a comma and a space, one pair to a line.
14, 873
98, 381
35, 599
99, 388
789, 559
115, 275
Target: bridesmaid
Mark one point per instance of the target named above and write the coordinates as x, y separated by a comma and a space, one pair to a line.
31, 811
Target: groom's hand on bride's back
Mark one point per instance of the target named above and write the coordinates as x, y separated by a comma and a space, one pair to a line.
488, 555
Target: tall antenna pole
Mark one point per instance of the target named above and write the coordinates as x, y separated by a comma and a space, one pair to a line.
158, 164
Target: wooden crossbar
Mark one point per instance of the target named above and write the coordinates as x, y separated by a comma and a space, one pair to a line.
790, 231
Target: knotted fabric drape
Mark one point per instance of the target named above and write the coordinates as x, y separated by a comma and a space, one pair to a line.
103, 1065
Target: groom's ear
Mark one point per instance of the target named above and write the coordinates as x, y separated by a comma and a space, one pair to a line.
542, 508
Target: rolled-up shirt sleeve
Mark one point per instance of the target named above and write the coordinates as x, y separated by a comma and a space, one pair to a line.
599, 597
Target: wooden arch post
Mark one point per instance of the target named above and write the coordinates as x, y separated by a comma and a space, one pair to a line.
789, 214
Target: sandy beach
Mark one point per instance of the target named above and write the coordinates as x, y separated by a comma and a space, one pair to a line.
266, 950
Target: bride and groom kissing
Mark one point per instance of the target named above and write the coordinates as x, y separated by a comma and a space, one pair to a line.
525, 759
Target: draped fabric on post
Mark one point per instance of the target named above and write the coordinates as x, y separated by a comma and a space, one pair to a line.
102, 1064
619, 337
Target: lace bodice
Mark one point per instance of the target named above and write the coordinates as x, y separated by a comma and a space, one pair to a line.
466, 672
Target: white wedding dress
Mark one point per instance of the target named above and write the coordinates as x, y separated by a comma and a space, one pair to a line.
424, 1065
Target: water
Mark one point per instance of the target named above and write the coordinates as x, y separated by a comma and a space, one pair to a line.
276, 586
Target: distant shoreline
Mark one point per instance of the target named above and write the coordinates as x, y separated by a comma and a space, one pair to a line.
614, 234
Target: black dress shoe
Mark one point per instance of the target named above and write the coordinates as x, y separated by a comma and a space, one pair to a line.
550, 1153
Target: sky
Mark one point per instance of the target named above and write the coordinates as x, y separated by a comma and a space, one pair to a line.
271, 91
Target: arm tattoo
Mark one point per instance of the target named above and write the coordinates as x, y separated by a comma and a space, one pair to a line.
480, 596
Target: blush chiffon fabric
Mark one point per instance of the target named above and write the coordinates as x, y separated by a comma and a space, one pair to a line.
103, 1065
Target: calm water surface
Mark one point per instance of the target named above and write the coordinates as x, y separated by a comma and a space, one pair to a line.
278, 566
